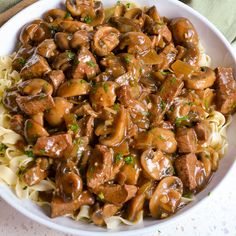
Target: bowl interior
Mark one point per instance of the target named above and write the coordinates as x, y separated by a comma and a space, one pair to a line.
216, 47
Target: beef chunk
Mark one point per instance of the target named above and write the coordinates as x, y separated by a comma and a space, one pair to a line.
60, 208
202, 130
185, 167
100, 166
187, 140
225, 90
171, 88
35, 67
56, 78
53, 146
17, 124
124, 95
115, 193
36, 172
32, 105
86, 66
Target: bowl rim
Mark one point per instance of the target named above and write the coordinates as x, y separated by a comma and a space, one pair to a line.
134, 231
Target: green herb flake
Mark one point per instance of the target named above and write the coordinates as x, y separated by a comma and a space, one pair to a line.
42, 151
88, 19
20, 170
29, 125
161, 137
127, 59
129, 160
162, 105
179, 120
82, 81
118, 2
164, 72
91, 63
67, 15
172, 108
190, 103
101, 196
25, 188
162, 90
29, 153
206, 104
116, 106
209, 194
128, 5
22, 61
54, 29
173, 80
3, 148
105, 87
188, 195
118, 157
70, 55
47, 110
76, 62
74, 127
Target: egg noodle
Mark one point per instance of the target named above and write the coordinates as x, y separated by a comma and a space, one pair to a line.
13, 160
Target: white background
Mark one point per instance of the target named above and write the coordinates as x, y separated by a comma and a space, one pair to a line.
214, 216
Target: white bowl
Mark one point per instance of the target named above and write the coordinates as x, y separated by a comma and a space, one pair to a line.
216, 47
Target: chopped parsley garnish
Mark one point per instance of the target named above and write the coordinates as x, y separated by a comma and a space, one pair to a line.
162, 89
206, 104
161, 137
3, 148
82, 81
29, 153
101, 196
118, 2
22, 61
118, 157
128, 5
209, 194
88, 19
70, 55
173, 80
29, 125
105, 87
74, 127
129, 160
54, 29
164, 72
69, 82
127, 59
190, 103
20, 171
91, 63
76, 61
188, 195
42, 151
67, 15
116, 106
47, 110
162, 105
179, 120
172, 108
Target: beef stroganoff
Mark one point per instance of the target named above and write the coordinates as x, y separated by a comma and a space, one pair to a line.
111, 115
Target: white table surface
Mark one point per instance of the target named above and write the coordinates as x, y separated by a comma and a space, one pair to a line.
215, 216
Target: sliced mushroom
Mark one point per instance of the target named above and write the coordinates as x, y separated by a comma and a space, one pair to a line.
54, 14
62, 61
38, 118
55, 115
152, 12
74, 87
47, 48
80, 38
33, 130
99, 14
118, 131
103, 95
184, 32
70, 26
119, 10
34, 87
136, 42
35, 67
80, 7
202, 79
62, 40
105, 40
133, 13
124, 24
166, 198
156, 165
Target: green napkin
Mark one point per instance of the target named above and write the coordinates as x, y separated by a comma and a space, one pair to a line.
6, 4
222, 13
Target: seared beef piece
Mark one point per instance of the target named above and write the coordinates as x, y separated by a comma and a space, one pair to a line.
202, 130
171, 88
104, 212
17, 124
186, 168
187, 140
56, 78
60, 208
36, 171
100, 166
124, 95
115, 193
225, 90
53, 146
35, 67
9, 100
32, 105
85, 65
